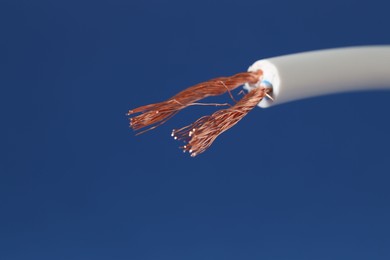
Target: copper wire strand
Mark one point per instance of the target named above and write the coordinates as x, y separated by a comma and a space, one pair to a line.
200, 135
154, 115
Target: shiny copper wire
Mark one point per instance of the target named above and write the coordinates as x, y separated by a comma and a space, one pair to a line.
200, 135
156, 114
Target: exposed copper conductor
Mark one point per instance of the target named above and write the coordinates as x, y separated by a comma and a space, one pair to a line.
201, 134
156, 114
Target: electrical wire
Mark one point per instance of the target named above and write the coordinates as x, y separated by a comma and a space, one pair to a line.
269, 82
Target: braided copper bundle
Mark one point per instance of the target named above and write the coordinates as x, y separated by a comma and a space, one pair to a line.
156, 114
201, 134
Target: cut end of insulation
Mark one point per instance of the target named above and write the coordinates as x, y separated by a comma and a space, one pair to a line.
270, 80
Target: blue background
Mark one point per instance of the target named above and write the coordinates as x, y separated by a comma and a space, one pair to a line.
304, 180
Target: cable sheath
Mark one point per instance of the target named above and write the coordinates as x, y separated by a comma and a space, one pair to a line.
316, 73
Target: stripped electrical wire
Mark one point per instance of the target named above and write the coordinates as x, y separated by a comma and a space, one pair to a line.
200, 135
270, 82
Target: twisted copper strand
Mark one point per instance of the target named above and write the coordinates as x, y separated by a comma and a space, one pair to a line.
156, 114
200, 135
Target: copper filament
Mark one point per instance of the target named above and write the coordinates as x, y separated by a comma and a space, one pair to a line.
202, 133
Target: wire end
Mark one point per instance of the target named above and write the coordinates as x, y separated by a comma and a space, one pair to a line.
199, 136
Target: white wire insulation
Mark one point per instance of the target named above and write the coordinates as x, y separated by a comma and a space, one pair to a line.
316, 73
